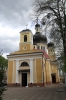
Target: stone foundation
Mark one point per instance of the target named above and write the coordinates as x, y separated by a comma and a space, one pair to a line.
13, 85
48, 83
35, 84
31, 84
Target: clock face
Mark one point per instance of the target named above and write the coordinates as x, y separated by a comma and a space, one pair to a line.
24, 48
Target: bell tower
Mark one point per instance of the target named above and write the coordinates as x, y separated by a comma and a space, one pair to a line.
26, 40
51, 51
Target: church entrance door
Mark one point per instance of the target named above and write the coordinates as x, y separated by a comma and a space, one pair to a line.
24, 79
53, 78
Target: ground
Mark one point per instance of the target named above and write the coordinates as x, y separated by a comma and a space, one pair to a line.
48, 92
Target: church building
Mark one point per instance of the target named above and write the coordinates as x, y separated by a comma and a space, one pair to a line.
34, 64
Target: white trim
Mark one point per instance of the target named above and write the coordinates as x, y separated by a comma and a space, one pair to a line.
24, 54
50, 72
31, 71
13, 73
25, 43
17, 66
23, 58
35, 71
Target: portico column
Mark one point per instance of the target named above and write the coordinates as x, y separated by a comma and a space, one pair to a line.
17, 67
31, 70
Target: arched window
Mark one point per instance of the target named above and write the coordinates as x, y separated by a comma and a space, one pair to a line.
25, 38
24, 64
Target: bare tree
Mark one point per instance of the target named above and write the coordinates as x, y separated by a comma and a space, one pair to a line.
53, 18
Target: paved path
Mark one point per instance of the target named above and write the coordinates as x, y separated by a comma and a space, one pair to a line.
35, 93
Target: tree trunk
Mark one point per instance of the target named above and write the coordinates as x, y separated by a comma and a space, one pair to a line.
64, 45
65, 80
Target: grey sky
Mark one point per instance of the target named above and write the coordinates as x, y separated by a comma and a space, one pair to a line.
15, 12
13, 18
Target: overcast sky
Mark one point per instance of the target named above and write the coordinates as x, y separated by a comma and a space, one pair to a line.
14, 16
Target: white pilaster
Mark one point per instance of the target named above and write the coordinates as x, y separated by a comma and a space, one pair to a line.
31, 71
50, 71
13, 73
17, 67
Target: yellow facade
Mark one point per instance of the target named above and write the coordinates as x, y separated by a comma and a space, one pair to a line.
29, 35
39, 70
48, 72
24, 47
30, 66
10, 71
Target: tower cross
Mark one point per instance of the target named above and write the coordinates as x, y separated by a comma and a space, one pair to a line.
37, 20
26, 26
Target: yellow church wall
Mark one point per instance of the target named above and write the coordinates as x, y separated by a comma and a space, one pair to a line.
25, 51
31, 46
52, 57
21, 38
29, 35
48, 71
39, 70
44, 74
44, 69
10, 72
24, 47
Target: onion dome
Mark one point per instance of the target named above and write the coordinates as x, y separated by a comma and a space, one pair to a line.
37, 25
50, 44
39, 38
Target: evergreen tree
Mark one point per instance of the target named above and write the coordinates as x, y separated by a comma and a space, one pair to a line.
3, 65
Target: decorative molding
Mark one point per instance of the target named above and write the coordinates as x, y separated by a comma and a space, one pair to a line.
23, 58
23, 55
25, 43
